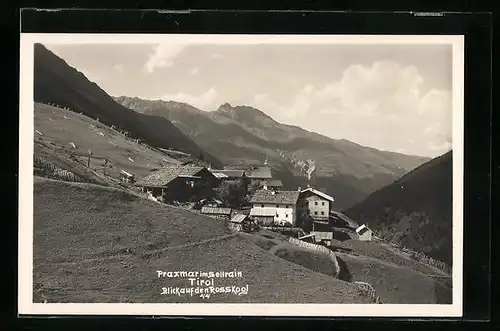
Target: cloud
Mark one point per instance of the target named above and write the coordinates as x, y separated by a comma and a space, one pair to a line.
203, 101
217, 56
444, 147
329, 111
194, 71
385, 87
162, 56
372, 105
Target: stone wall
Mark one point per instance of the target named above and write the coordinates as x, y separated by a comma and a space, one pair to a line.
318, 248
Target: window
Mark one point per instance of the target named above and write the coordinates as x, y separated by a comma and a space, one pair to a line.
316, 203
315, 213
323, 203
262, 206
286, 215
322, 213
277, 206
277, 215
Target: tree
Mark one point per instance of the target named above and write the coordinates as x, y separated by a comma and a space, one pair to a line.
253, 186
231, 193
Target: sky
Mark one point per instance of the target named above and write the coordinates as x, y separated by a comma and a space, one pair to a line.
390, 97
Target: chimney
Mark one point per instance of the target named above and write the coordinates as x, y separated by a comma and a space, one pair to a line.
264, 186
299, 189
273, 193
308, 186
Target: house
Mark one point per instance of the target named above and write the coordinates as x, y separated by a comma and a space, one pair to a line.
126, 177
281, 204
217, 212
318, 237
271, 184
323, 237
259, 175
313, 205
231, 175
241, 222
179, 182
364, 233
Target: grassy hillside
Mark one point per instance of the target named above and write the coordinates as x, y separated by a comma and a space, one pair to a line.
396, 279
416, 210
385, 252
56, 82
61, 127
245, 135
99, 244
394, 283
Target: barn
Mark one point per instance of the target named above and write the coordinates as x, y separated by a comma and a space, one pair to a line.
179, 183
217, 212
241, 222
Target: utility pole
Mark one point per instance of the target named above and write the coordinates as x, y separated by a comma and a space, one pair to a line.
88, 161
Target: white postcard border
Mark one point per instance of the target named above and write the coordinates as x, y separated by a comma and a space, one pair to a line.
26, 137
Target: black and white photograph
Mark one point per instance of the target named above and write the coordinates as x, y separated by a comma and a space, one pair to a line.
266, 174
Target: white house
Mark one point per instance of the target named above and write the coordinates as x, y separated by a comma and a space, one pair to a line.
315, 203
364, 233
280, 205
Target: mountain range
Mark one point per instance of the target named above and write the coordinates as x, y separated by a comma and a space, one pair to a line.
239, 135
416, 210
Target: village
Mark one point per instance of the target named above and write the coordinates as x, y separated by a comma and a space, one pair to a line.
246, 197
249, 198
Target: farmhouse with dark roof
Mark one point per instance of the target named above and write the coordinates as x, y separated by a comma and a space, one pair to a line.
179, 182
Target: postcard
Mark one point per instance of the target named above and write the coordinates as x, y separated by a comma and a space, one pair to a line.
241, 175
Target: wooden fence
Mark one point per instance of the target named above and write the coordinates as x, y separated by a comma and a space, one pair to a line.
55, 170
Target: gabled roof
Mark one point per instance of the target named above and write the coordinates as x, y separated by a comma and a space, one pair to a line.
228, 173
165, 175
238, 218
307, 236
362, 229
126, 173
279, 197
259, 173
216, 210
318, 193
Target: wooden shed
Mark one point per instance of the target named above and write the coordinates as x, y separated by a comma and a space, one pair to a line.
217, 212
241, 222
126, 177
364, 233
